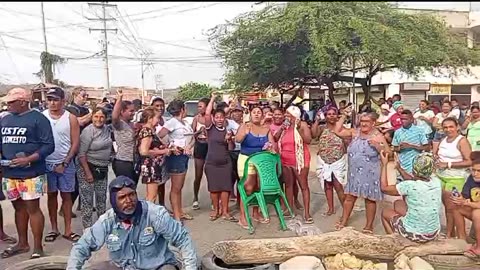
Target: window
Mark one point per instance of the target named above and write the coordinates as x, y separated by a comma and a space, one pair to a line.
462, 93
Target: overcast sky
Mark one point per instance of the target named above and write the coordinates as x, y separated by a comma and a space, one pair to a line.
173, 32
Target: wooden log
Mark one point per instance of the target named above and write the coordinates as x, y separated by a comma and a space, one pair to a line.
278, 250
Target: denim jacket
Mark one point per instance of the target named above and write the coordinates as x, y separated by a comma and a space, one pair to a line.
143, 246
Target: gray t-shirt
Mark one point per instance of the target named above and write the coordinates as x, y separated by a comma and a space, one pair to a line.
96, 145
125, 139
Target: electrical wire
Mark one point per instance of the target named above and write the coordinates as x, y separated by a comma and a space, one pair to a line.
15, 68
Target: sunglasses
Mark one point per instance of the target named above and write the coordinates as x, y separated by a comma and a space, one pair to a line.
124, 183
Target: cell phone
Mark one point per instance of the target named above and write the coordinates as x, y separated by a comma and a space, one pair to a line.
455, 192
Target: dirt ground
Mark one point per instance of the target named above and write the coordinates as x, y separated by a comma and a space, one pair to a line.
204, 232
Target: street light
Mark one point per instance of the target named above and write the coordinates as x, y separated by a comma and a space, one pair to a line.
356, 42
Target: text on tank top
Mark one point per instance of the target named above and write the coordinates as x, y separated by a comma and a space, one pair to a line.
61, 136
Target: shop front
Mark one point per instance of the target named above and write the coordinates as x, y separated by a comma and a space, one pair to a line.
460, 92
412, 93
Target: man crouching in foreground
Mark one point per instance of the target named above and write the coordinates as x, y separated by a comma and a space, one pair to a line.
137, 234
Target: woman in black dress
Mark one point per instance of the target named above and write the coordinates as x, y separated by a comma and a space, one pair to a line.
218, 164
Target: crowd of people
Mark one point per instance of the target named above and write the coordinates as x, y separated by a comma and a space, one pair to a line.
67, 150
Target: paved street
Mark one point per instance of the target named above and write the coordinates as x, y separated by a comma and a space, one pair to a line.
204, 232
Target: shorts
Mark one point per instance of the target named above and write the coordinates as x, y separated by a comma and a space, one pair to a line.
397, 225
25, 189
439, 136
63, 182
448, 183
200, 150
177, 164
241, 166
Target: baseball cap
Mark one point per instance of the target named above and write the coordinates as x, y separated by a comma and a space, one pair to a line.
17, 93
56, 92
385, 107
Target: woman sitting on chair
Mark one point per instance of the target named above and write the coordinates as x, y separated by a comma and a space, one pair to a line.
254, 137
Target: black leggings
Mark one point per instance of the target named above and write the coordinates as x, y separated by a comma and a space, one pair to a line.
124, 168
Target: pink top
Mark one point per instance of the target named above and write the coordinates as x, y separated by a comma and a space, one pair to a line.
274, 128
287, 155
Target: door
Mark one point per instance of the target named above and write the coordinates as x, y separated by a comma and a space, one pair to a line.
411, 99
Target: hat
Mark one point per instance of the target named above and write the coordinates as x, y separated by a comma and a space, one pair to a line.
56, 92
397, 104
295, 111
423, 165
238, 108
385, 107
17, 93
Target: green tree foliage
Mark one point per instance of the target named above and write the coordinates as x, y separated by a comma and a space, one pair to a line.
283, 42
48, 64
193, 90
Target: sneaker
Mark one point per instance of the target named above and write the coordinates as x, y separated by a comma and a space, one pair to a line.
195, 205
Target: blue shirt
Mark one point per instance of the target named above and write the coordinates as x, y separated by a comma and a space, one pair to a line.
143, 246
30, 133
412, 135
424, 202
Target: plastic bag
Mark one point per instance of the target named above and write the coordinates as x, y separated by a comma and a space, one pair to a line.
296, 225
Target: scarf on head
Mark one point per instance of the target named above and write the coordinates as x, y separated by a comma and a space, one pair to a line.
123, 181
397, 104
299, 154
423, 165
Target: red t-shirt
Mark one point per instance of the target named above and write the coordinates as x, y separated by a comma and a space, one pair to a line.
395, 121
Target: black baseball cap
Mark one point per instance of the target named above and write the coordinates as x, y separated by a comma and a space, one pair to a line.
56, 92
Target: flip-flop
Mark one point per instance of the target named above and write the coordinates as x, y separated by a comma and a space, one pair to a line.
37, 255
230, 218
214, 217
328, 213
51, 237
9, 240
367, 231
309, 220
73, 237
245, 227
13, 251
262, 221
471, 254
186, 216
339, 227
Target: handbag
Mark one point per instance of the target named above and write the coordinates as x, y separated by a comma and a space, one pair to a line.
98, 172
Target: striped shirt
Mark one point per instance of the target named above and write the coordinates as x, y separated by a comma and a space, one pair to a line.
412, 135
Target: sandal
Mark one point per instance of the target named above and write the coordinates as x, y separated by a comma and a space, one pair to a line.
367, 231
8, 239
243, 226
12, 251
328, 213
73, 237
286, 214
230, 218
309, 220
186, 216
339, 226
214, 216
472, 254
262, 221
51, 237
37, 255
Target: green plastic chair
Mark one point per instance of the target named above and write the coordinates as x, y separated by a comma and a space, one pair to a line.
268, 168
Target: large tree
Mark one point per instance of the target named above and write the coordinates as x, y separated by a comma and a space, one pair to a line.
193, 90
283, 42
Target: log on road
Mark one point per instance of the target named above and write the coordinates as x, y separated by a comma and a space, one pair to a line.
278, 250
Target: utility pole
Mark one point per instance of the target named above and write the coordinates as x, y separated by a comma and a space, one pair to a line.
105, 30
46, 47
158, 83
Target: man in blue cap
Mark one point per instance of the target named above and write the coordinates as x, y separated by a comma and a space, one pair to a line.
137, 234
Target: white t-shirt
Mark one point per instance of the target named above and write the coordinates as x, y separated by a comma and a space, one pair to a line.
422, 123
455, 113
233, 126
177, 130
440, 117
382, 118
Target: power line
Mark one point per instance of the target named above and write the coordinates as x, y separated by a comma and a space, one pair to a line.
105, 30
174, 45
15, 68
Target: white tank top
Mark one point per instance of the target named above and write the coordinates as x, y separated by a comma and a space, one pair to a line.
61, 136
449, 152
